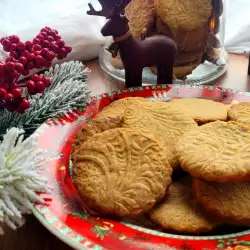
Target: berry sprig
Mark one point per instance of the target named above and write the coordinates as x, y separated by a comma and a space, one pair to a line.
23, 57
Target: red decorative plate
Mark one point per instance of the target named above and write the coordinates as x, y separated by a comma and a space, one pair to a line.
63, 215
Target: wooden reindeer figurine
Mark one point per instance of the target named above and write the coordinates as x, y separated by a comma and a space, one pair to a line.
137, 53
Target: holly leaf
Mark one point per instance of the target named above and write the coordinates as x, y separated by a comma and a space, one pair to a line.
232, 240
221, 246
221, 241
245, 243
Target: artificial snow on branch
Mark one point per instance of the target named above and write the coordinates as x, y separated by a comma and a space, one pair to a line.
19, 179
67, 91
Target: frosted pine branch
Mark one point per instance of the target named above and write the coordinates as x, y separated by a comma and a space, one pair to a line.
19, 180
68, 90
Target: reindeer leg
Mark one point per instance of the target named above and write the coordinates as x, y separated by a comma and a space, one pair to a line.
164, 74
133, 77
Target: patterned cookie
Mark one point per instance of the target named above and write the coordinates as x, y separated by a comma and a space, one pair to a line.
97, 126
201, 110
141, 14
240, 112
180, 211
118, 107
217, 151
225, 201
165, 123
184, 14
121, 172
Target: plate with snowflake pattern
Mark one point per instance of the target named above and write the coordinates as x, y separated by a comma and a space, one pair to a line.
65, 217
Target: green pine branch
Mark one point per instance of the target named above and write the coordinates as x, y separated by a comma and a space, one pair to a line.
67, 91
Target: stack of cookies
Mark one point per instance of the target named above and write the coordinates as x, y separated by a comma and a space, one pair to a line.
123, 163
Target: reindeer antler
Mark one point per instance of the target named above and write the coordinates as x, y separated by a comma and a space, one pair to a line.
117, 9
105, 11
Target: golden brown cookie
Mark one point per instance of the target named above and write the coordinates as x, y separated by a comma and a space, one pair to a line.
217, 151
228, 202
201, 110
141, 14
97, 126
180, 211
240, 112
165, 123
118, 107
121, 172
184, 14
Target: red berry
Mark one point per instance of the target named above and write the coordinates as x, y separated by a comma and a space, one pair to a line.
31, 57
60, 43
8, 97
22, 60
4, 85
6, 42
44, 51
2, 92
19, 67
44, 34
36, 41
60, 57
46, 44
44, 30
40, 87
25, 53
14, 39
14, 54
13, 85
62, 51
36, 53
30, 65
57, 37
54, 47
13, 47
21, 46
11, 107
39, 59
36, 78
50, 55
6, 48
31, 85
25, 72
37, 47
47, 63
55, 31
50, 38
68, 49
14, 74
9, 59
16, 92
48, 28
28, 45
24, 105
40, 37
46, 81
1, 40
10, 66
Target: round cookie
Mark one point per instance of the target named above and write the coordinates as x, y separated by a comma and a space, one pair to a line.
240, 112
228, 202
217, 151
165, 123
121, 172
184, 14
97, 126
180, 211
118, 107
201, 110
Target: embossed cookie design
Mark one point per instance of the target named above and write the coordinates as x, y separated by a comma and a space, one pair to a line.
228, 202
121, 172
180, 212
165, 123
240, 112
217, 151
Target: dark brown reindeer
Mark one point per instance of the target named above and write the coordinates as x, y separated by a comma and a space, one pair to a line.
137, 53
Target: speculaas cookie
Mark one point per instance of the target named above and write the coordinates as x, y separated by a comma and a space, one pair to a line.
201, 110
240, 112
217, 151
184, 14
180, 212
121, 172
97, 126
118, 107
229, 202
165, 123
